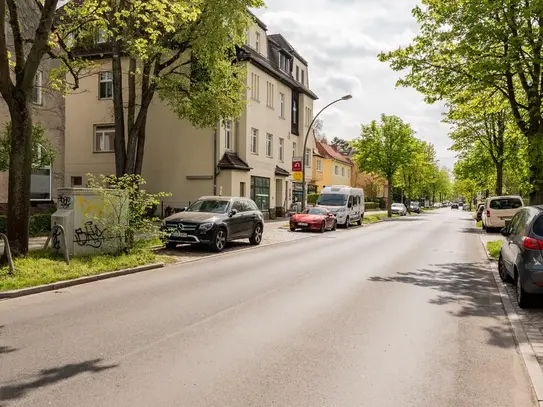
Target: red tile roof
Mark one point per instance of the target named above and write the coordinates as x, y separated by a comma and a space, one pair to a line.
329, 152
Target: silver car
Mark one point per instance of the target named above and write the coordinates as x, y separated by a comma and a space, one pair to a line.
399, 209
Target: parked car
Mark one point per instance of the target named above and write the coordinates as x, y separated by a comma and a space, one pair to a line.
521, 259
214, 221
479, 212
399, 209
316, 219
414, 207
345, 202
454, 205
499, 209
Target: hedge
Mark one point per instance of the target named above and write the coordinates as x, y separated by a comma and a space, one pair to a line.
371, 205
312, 199
40, 224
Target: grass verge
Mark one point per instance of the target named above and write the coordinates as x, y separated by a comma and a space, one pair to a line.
494, 248
44, 267
480, 224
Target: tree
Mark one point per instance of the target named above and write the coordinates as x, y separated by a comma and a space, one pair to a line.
474, 46
340, 144
383, 148
183, 51
318, 131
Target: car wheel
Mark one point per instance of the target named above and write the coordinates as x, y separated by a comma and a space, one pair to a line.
292, 229
359, 221
219, 240
256, 237
504, 275
347, 223
171, 245
323, 227
334, 226
523, 298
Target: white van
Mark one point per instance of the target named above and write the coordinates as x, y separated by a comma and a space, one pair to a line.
346, 203
499, 209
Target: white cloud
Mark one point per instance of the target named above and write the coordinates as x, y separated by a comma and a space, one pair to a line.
340, 39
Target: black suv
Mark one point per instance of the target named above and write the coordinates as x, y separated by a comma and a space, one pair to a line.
213, 221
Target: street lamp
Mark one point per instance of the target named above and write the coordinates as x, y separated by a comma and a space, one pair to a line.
304, 192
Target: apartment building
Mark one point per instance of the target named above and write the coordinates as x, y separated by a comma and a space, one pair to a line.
331, 167
47, 111
249, 156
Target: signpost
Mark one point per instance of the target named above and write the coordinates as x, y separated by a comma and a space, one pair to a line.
297, 174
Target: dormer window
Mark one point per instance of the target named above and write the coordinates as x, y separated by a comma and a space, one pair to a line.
284, 62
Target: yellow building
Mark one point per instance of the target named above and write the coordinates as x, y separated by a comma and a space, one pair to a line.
330, 167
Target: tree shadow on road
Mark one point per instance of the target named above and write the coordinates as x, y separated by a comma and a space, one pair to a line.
48, 377
468, 288
4, 348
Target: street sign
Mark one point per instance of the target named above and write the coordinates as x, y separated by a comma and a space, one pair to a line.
296, 164
297, 176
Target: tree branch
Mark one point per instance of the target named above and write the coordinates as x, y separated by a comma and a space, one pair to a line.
5, 78
18, 42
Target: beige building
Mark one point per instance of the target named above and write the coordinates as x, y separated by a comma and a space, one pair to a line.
250, 156
47, 111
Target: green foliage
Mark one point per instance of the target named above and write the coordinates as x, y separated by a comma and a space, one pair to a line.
312, 198
39, 225
371, 205
43, 151
494, 248
132, 203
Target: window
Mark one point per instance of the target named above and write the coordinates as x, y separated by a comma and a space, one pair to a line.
336, 170
242, 189
284, 62
228, 134
297, 73
269, 145
76, 181
37, 89
505, 203
269, 95
101, 36
40, 184
319, 165
308, 116
254, 141
303, 77
104, 139
255, 86
348, 172
294, 119
308, 157
282, 105
106, 85
342, 171
257, 43
260, 192
294, 149
281, 149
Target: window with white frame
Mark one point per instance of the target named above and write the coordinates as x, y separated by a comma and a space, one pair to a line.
319, 165
228, 134
106, 85
269, 145
294, 149
348, 172
255, 86
342, 171
104, 139
281, 149
308, 116
282, 105
37, 90
254, 141
308, 157
284, 62
336, 170
270, 94
257, 43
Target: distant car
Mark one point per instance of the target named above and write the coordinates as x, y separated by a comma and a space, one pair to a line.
479, 212
414, 207
454, 205
316, 219
438, 205
399, 209
499, 209
214, 221
520, 257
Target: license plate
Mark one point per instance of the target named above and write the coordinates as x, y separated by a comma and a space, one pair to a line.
302, 224
505, 218
177, 234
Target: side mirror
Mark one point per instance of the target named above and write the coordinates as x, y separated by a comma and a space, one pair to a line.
505, 231
183, 209
233, 212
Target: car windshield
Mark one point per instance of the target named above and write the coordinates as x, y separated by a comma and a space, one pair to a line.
397, 205
209, 205
315, 211
332, 200
505, 203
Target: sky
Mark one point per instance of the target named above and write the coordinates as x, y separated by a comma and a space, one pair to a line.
340, 40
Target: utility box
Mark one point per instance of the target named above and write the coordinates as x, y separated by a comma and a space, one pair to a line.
91, 219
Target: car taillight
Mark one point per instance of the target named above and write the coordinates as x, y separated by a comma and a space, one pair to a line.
532, 244
488, 213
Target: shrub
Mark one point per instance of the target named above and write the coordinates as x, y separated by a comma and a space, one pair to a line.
371, 205
312, 199
39, 225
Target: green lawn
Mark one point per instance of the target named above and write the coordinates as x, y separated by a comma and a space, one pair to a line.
44, 267
480, 224
494, 248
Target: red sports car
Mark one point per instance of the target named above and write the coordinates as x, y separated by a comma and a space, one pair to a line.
318, 219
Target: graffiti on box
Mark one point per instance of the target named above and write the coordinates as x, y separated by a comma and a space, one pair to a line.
65, 201
90, 207
56, 238
89, 235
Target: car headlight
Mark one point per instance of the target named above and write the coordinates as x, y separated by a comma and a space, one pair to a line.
204, 227
341, 210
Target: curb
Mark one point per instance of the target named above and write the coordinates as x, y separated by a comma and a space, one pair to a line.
78, 281
521, 337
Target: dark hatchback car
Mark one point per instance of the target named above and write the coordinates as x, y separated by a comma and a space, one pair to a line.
214, 221
454, 205
521, 259
414, 207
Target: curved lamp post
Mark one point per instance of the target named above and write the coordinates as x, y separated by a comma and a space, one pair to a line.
304, 192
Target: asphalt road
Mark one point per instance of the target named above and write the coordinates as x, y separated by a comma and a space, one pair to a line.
401, 313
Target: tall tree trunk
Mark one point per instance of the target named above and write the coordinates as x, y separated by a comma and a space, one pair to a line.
536, 173
20, 167
389, 198
133, 134
499, 178
118, 107
141, 148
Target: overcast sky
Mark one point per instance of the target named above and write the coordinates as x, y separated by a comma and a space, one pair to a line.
340, 40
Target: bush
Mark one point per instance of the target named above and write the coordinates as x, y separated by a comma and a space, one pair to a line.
40, 224
312, 199
371, 205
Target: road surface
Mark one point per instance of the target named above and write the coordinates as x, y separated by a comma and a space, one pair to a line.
401, 313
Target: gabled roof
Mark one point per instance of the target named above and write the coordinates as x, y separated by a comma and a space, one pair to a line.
284, 44
329, 152
232, 161
281, 172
